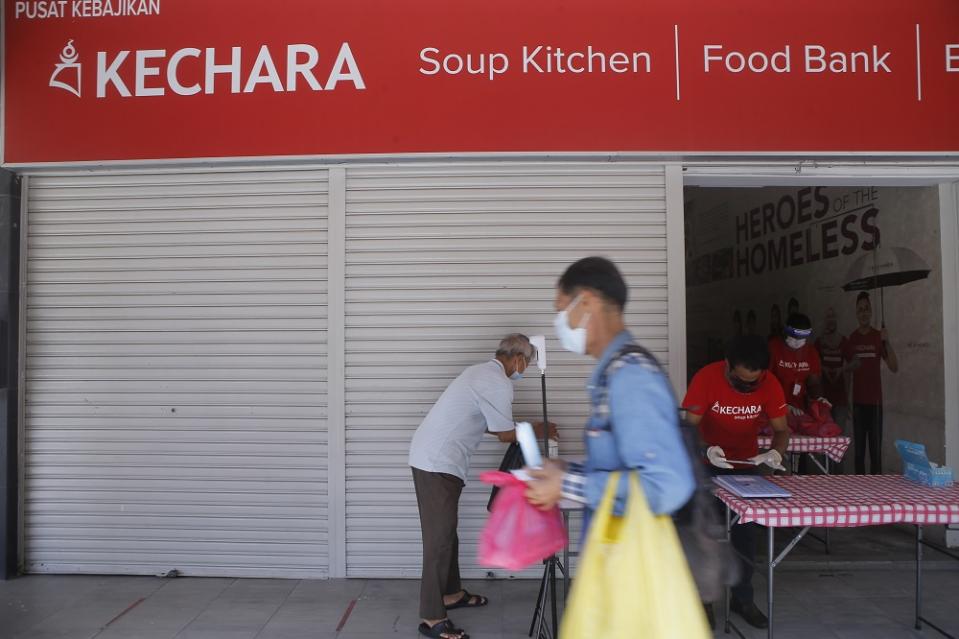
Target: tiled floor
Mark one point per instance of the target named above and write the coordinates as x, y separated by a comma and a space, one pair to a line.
865, 588
810, 603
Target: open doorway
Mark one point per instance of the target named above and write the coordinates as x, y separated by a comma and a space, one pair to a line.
756, 255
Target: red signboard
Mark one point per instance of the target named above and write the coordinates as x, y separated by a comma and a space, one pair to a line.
98, 80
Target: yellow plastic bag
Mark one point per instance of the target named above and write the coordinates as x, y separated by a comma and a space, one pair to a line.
633, 580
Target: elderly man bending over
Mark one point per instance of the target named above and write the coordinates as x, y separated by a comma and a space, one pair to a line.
479, 401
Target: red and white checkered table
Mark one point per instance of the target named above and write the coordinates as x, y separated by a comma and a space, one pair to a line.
833, 447
847, 501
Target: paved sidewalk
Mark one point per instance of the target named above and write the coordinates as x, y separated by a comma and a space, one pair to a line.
864, 589
864, 604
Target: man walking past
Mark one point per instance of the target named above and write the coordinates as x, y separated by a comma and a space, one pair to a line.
634, 422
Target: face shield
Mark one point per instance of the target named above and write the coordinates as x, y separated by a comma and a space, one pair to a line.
796, 338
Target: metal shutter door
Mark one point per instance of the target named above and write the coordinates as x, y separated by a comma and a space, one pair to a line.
176, 373
443, 261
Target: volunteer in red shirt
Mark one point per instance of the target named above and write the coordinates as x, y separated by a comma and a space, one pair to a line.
868, 346
726, 400
834, 354
795, 363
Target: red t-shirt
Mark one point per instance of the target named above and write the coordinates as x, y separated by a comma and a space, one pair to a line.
792, 368
833, 379
730, 418
867, 379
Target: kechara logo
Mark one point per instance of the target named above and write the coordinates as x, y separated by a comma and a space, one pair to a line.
740, 412
67, 74
155, 73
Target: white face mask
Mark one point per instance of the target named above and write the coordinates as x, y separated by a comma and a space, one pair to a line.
795, 343
572, 339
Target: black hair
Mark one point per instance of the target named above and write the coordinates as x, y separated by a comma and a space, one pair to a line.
799, 321
748, 351
792, 302
751, 315
863, 296
596, 274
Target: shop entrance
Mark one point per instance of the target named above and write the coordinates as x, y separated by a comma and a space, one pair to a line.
756, 255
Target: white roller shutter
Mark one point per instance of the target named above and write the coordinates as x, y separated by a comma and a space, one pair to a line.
441, 262
176, 373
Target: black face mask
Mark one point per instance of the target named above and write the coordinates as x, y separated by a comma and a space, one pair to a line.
740, 385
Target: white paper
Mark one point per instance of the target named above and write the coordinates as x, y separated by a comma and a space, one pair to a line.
527, 443
521, 474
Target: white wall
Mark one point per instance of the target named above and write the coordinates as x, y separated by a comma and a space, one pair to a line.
949, 212
837, 227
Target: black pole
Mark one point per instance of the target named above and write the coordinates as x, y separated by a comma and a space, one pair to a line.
882, 306
549, 573
875, 280
545, 419
9, 332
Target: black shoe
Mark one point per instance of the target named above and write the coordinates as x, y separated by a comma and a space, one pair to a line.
751, 613
710, 615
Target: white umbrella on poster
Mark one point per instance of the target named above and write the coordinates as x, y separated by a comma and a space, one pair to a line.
883, 268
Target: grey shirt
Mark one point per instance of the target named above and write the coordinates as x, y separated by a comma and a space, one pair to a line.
480, 399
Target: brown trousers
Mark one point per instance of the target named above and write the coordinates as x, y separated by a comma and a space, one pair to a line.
438, 497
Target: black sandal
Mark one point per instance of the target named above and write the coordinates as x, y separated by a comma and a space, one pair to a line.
466, 601
443, 630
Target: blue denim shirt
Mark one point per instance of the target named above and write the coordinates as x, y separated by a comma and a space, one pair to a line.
639, 431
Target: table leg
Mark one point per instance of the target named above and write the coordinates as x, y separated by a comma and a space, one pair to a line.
552, 602
825, 459
726, 591
566, 568
769, 580
918, 577
920, 542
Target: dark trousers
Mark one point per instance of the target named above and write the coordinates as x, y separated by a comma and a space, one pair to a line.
744, 538
438, 496
867, 430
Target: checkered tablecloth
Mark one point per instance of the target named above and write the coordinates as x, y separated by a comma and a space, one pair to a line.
848, 501
833, 447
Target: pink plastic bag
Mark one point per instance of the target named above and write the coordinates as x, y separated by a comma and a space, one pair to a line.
517, 534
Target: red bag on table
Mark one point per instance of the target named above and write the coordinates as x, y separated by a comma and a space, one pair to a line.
517, 534
817, 422
795, 423
830, 429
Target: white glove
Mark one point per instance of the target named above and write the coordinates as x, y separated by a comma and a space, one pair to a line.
825, 401
795, 412
717, 457
771, 458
